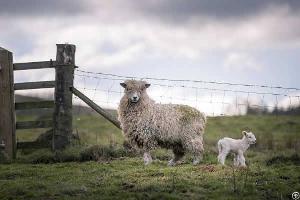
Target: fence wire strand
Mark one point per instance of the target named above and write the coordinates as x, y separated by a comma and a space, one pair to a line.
212, 97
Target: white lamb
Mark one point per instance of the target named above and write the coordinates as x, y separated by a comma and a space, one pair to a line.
235, 146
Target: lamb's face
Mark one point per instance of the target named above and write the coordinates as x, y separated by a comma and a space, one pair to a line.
134, 90
250, 137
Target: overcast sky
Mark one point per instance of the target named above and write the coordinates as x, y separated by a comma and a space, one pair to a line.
256, 42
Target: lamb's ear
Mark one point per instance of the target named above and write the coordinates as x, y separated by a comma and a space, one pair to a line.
123, 85
244, 133
147, 85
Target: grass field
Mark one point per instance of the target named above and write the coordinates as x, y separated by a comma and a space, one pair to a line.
113, 173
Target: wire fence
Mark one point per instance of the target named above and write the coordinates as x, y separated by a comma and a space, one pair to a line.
211, 97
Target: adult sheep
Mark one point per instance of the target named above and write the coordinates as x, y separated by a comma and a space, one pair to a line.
148, 125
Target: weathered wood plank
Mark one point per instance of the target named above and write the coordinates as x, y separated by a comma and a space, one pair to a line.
7, 103
32, 145
34, 65
34, 105
64, 76
97, 108
34, 124
34, 85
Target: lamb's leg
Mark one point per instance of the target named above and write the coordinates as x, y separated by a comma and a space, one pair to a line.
241, 159
236, 160
147, 158
220, 151
222, 156
197, 150
178, 154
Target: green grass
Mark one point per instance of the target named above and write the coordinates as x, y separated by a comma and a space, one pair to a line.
129, 178
273, 166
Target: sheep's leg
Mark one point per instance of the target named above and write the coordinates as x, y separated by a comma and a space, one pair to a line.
197, 159
178, 154
241, 159
147, 158
197, 150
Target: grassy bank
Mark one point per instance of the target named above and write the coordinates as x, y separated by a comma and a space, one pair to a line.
115, 173
129, 179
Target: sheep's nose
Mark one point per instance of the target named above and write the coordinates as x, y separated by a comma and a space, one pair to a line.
135, 99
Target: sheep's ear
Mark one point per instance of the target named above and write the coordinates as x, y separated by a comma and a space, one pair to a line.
147, 85
123, 85
244, 133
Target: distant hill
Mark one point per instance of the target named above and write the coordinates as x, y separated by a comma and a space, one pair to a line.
277, 111
23, 98
77, 109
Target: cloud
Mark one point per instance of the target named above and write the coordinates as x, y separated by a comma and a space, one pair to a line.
103, 45
241, 61
265, 24
177, 11
170, 11
42, 7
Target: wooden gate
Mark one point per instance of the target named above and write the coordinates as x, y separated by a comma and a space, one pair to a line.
61, 124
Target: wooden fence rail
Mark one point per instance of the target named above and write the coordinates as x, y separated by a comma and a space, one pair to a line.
34, 124
97, 108
34, 85
34, 65
34, 105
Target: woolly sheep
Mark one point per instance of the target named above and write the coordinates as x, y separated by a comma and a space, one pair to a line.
149, 125
237, 147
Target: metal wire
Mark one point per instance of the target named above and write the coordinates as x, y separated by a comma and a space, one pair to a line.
216, 98
187, 80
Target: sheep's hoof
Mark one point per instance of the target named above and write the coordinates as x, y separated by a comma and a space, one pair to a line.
196, 162
171, 163
147, 162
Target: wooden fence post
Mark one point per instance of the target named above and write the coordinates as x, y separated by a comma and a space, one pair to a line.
7, 103
64, 76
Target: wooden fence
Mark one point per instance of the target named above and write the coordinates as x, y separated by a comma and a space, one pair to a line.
61, 123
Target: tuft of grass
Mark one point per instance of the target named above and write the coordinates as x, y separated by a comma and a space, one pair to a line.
76, 153
3, 157
293, 159
99, 152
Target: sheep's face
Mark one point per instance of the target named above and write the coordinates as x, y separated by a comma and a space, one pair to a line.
134, 90
250, 137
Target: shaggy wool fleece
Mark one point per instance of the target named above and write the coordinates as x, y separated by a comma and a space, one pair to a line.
149, 125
